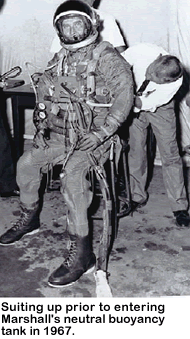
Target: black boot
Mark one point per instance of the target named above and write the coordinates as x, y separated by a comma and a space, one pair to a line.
128, 207
27, 223
182, 218
80, 260
125, 207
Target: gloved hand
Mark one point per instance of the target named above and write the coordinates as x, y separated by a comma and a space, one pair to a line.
39, 140
55, 123
88, 142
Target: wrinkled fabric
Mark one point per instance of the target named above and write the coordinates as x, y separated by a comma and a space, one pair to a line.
179, 45
111, 68
115, 72
163, 123
140, 56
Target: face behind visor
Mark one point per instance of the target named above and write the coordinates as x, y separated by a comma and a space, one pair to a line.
74, 28
76, 24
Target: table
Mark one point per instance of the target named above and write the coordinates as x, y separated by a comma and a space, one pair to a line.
22, 97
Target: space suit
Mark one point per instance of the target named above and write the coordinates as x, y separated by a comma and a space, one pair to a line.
84, 95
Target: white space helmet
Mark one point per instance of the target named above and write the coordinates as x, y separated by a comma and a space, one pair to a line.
76, 8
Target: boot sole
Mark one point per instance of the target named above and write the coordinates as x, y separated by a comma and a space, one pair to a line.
29, 233
182, 225
90, 270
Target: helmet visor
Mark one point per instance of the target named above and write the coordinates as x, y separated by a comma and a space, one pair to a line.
73, 28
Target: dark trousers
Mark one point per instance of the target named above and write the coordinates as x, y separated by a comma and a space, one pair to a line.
163, 123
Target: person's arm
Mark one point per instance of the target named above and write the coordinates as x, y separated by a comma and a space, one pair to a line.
118, 76
157, 95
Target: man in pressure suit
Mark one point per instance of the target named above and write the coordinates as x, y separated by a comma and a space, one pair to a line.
84, 95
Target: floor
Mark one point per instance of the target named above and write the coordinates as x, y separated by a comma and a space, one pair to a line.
150, 256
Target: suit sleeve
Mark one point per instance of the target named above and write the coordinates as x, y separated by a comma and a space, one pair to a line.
118, 77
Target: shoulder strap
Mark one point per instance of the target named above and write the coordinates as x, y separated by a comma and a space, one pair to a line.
57, 60
92, 65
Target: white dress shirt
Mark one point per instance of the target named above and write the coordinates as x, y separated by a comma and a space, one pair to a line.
155, 95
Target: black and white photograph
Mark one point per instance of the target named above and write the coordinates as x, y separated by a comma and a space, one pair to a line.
94, 161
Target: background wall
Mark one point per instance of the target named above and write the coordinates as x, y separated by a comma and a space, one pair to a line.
26, 32
140, 20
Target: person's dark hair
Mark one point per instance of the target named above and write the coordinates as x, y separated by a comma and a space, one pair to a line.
169, 67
